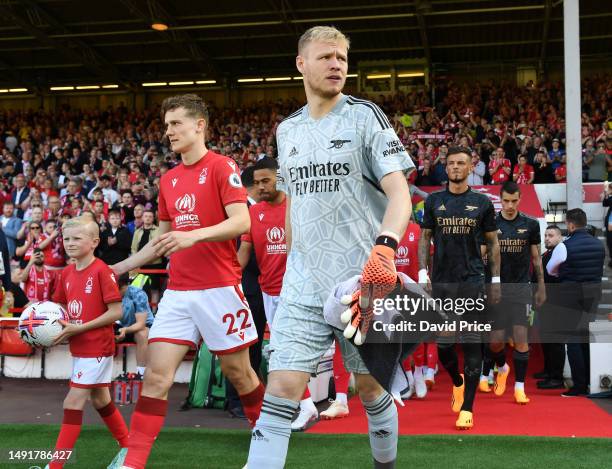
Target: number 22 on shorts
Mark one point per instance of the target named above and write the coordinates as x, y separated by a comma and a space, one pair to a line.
241, 314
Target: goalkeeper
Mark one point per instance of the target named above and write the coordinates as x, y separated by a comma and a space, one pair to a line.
348, 203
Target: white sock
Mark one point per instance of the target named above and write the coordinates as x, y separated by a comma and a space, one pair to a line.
383, 430
491, 374
484, 378
270, 437
519, 386
503, 369
418, 372
410, 377
342, 398
141, 370
308, 404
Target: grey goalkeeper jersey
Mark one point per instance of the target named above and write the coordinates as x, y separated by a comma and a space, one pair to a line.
331, 168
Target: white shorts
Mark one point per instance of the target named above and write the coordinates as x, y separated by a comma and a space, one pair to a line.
91, 373
219, 316
270, 305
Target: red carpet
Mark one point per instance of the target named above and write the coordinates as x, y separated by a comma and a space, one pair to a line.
548, 414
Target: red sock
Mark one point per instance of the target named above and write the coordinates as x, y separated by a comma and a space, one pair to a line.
146, 424
419, 355
69, 433
251, 403
432, 355
306, 394
341, 376
115, 423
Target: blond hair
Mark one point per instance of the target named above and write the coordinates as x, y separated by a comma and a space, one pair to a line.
83, 223
321, 33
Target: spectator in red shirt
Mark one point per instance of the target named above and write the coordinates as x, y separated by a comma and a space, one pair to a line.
134, 173
55, 257
34, 239
499, 167
523, 172
561, 173
97, 207
48, 191
53, 208
40, 282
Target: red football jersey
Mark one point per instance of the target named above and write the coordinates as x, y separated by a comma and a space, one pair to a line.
193, 197
407, 254
87, 294
268, 237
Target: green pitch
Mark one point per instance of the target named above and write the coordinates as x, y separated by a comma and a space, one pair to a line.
187, 448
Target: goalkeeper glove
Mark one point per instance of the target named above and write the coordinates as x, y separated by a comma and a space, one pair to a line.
378, 279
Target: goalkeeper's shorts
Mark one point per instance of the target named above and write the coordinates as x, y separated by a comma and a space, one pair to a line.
300, 337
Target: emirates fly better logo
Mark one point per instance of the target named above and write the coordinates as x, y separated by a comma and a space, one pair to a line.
185, 205
276, 240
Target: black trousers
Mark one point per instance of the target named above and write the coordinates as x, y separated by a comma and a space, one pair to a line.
259, 317
578, 355
553, 346
554, 359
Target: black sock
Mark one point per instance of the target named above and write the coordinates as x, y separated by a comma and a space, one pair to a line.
521, 359
472, 359
450, 362
487, 360
499, 358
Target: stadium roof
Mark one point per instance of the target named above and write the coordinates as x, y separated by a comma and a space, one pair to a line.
54, 42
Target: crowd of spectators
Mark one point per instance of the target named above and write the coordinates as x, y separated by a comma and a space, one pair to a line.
514, 132
54, 166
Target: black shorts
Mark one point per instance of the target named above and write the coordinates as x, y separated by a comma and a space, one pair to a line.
506, 314
468, 298
467, 311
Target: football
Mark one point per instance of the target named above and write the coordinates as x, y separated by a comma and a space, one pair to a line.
39, 323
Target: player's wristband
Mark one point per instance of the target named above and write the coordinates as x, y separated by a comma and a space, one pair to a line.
423, 276
387, 240
495, 279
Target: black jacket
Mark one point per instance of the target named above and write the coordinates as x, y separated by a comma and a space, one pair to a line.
119, 251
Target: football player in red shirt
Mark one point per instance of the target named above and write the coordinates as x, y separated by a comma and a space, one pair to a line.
202, 209
267, 235
89, 292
